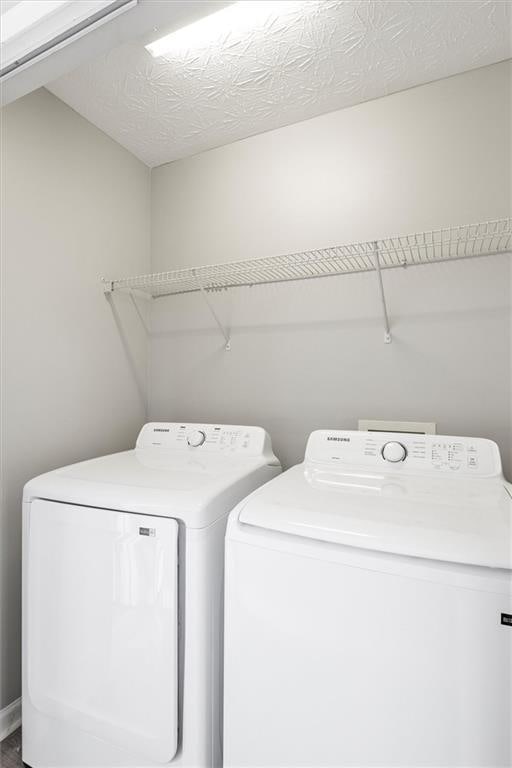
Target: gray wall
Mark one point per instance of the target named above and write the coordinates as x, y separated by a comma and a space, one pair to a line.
304, 356
75, 207
311, 355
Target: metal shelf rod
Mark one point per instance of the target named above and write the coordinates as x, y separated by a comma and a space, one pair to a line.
387, 332
215, 317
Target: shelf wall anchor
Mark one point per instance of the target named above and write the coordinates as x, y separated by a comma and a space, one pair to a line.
376, 260
108, 285
214, 315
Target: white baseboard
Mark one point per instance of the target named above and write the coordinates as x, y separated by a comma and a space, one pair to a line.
10, 719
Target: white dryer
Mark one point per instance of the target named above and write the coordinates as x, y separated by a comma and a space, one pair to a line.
369, 609
122, 598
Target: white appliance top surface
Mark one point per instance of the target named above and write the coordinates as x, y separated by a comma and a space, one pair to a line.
165, 475
446, 500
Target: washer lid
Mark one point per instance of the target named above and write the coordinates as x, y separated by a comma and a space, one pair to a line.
165, 475
439, 516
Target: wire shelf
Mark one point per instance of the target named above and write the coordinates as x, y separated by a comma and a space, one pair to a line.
460, 242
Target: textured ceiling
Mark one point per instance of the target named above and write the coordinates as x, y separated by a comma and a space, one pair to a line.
312, 58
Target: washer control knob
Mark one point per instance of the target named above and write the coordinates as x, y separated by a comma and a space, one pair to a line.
196, 438
394, 452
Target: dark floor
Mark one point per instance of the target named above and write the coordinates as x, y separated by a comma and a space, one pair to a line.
10, 751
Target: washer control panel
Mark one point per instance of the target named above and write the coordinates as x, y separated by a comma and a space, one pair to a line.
209, 438
408, 453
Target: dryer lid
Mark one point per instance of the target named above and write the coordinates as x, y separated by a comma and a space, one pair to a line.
166, 476
436, 513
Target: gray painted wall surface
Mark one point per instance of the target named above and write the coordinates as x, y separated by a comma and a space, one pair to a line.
75, 206
310, 355
304, 356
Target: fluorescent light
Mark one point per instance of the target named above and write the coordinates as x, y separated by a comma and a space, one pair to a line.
20, 17
236, 17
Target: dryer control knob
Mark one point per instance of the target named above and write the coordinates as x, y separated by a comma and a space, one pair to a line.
196, 438
394, 452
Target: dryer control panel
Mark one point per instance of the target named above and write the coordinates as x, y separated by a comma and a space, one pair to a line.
406, 453
210, 438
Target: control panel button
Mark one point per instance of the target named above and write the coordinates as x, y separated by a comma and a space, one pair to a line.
196, 438
394, 452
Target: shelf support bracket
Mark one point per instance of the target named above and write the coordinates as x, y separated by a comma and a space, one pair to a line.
213, 313
376, 261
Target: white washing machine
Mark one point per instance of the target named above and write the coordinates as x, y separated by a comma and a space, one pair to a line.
122, 598
369, 610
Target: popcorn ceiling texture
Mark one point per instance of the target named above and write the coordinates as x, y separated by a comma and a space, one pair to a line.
313, 58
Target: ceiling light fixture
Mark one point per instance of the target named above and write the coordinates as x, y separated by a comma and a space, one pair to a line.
236, 17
